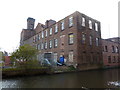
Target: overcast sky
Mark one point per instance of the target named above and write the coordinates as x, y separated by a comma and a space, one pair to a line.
14, 14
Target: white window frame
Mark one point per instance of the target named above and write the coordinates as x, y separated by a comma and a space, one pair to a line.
62, 25
90, 24
46, 45
55, 42
50, 31
83, 21
56, 28
71, 21
96, 26
42, 34
97, 41
50, 44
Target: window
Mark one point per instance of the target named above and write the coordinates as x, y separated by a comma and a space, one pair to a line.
113, 49
56, 28
97, 41
42, 34
50, 44
34, 39
109, 59
96, 26
38, 46
50, 31
114, 59
71, 56
46, 33
55, 57
62, 25
55, 42
70, 21
116, 50
83, 21
42, 45
90, 24
45, 45
71, 37
106, 49
39, 37
83, 38
90, 40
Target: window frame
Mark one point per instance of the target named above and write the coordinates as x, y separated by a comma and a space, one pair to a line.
83, 21
71, 36
90, 24
62, 25
70, 21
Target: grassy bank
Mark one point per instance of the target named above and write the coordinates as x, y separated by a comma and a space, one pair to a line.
12, 72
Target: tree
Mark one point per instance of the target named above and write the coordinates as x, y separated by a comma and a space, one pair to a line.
24, 53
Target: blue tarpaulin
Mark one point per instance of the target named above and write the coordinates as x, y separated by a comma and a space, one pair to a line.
62, 60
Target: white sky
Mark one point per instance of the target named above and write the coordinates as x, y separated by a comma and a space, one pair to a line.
14, 14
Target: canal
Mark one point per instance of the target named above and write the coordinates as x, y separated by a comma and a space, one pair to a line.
86, 79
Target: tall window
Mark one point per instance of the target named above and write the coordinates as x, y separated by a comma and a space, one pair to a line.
71, 56
62, 25
83, 21
70, 21
55, 42
50, 31
55, 57
46, 33
113, 49
97, 41
34, 39
117, 50
42, 45
39, 37
38, 46
83, 38
114, 59
90, 40
42, 34
106, 49
56, 28
90, 24
71, 38
50, 44
45, 45
96, 26
109, 59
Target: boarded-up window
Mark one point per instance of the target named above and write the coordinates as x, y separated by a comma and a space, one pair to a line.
71, 56
55, 57
71, 38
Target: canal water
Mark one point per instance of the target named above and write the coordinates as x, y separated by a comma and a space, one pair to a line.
87, 79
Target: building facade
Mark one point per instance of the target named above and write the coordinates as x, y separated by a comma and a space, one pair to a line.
76, 38
111, 53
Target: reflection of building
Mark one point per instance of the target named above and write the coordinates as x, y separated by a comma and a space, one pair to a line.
1, 59
7, 61
111, 53
77, 38
4, 59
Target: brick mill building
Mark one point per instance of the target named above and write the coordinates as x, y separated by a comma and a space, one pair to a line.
76, 38
111, 52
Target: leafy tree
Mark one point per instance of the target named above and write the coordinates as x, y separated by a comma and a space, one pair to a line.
24, 53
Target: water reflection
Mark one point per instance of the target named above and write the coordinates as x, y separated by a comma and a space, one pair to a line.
88, 79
